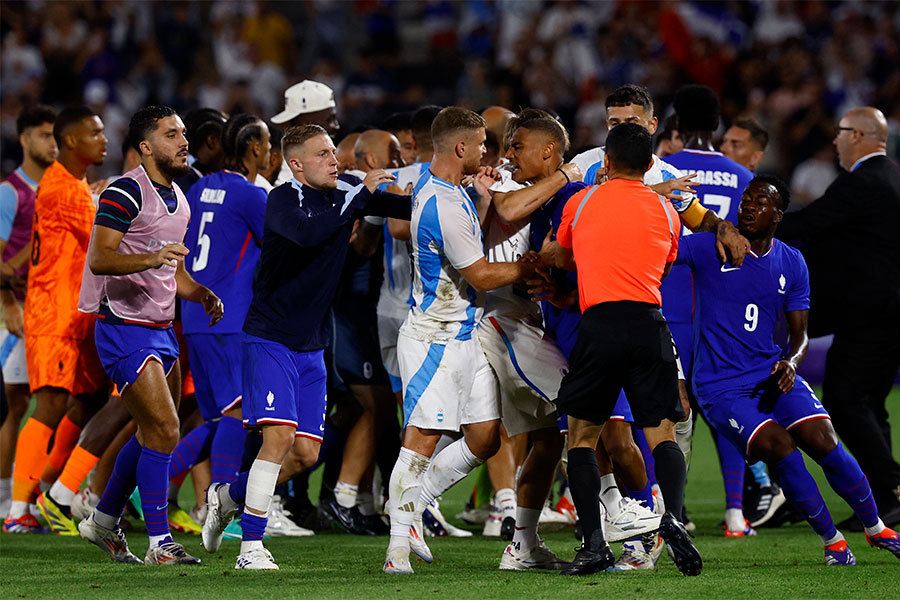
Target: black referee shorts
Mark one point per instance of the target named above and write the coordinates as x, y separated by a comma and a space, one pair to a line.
622, 345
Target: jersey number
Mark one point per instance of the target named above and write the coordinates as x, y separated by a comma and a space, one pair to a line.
203, 242
35, 249
719, 203
752, 316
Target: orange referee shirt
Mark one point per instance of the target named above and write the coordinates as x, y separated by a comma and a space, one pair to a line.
63, 217
622, 234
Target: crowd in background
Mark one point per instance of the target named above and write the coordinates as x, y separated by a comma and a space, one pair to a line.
796, 66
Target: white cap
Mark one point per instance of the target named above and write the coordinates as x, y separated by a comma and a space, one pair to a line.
304, 97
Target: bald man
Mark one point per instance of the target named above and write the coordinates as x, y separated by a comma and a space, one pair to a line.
850, 238
345, 153
496, 119
377, 149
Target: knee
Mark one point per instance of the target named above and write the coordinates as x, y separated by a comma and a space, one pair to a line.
821, 443
305, 453
773, 448
162, 436
548, 446
486, 445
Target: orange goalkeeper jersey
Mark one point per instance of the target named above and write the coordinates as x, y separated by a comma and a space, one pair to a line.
63, 217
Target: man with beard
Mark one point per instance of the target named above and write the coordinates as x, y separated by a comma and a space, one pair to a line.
134, 271
35, 128
307, 103
59, 344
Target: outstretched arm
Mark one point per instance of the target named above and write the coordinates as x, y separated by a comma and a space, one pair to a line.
516, 205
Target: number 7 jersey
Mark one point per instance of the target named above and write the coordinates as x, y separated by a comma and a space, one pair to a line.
738, 311
224, 239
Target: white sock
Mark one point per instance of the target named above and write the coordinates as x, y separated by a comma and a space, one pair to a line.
505, 499
5, 488
684, 433
526, 527
156, 540
225, 500
734, 519
404, 489
250, 545
261, 486
442, 443
447, 468
837, 538
610, 495
876, 528
61, 494
346, 494
365, 501
104, 520
17, 509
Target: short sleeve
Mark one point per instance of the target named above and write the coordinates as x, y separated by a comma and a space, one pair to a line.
9, 203
461, 235
119, 205
564, 233
797, 296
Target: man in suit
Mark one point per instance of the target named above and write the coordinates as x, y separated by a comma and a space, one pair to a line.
850, 238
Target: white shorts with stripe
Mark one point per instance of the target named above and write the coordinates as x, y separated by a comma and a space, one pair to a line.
12, 357
530, 369
447, 384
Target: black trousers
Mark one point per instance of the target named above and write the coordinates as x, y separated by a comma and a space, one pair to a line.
860, 370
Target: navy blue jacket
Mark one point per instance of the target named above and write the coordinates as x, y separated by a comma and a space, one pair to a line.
305, 240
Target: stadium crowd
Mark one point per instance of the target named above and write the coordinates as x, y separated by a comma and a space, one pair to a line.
298, 260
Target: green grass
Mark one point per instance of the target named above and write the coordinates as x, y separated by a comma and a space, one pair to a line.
780, 563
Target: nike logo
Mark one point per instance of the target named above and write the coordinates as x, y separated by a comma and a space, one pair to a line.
818, 405
725, 270
163, 507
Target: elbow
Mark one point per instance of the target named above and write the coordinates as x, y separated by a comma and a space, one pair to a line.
95, 263
506, 212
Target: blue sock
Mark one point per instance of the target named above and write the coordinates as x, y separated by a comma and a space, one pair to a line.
847, 479
122, 480
800, 488
732, 463
227, 449
153, 483
254, 527
641, 441
238, 489
760, 474
645, 495
191, 449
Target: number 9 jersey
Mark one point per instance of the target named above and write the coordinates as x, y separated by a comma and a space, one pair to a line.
738, 310
225, 240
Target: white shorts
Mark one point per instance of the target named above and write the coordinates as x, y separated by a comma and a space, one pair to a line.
388, 331
530, 368
12, 356
446, 385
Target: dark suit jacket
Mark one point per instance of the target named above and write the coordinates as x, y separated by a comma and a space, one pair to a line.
850, 238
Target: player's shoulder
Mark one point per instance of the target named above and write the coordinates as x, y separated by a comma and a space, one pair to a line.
350, 179
789, 253
588, 158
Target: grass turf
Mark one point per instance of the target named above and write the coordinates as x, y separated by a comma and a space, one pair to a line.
780, 563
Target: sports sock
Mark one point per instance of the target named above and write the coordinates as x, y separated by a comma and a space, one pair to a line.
153, 484
837, 537
671, 474
732, 463
641, 440
800, 488
404, 489
526, 527
734, 519
446, 469
585, 485
365, 501
64, 441
31, 457
237, 491
847, 479
120, 485
226, 449
610, 495
506, 501
645, 495
78, 467
684, 435
191, 449
5, 495
760, 473
261, 480
346, 494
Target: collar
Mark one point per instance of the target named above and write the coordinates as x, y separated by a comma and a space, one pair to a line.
865, 158
31, 182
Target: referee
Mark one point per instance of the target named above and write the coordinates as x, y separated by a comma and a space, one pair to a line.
624, 238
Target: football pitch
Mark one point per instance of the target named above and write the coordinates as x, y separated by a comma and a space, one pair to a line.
779, 563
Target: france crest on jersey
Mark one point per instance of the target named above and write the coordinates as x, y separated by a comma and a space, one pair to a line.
224, 239
446, 237
738, 310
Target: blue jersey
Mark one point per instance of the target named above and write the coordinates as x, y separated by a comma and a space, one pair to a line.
738, 311
224, 239
719, 183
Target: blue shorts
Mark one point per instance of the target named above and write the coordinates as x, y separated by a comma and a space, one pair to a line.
739, 415
216, 367
125, 350
283, 387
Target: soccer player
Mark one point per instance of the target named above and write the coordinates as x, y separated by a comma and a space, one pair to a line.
745, 142
307, 229
668, 140
134, 272
307, 103
748, 386
720, 181
34, 127
59, 345
400, 125
204, 135
447, 382
623, 252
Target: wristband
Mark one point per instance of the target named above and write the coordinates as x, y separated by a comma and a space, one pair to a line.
564, 175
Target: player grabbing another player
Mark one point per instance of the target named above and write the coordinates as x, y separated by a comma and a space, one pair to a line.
307, 229
134, 271
747, 385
